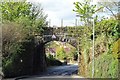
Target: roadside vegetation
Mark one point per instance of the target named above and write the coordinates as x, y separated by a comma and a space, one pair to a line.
61, 51
107, 37
21, 21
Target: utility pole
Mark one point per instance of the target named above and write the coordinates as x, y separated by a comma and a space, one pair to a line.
78, 51
93, 63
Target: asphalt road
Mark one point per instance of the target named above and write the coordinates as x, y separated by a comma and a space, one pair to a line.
66, 71
61, 70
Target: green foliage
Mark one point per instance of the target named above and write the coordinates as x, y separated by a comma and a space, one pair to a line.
19, 62
85, 11
72, 54
21, 20
52, 61
13, 10
86, 56
61, 53
27, 14
116, 46
50, 56
107, 32
12, 34
69, 52
110, 28
106, 66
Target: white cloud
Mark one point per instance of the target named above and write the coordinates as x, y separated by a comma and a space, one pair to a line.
61, 9
57, 10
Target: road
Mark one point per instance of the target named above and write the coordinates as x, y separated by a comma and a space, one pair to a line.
67, 71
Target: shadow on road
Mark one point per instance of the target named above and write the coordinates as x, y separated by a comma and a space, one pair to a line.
63, 71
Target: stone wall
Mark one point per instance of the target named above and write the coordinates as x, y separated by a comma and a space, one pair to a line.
39, 64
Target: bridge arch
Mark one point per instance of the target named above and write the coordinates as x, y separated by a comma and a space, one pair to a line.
57, 34
48, 36
62, 38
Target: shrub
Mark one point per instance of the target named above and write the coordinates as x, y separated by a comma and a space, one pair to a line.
20, 61
107, 34
53, 62
61, 54
106, 66
17, 50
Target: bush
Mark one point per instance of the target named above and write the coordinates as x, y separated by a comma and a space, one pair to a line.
107, 32
61, 54
53, 62
20, 62
18, 32
16, 50
106, 66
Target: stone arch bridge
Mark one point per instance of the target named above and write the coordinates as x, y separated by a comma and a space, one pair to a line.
57, 34
49, 34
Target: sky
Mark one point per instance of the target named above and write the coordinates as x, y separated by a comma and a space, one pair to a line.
58, 10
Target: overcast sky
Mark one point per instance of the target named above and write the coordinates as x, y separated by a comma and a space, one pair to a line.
59, 9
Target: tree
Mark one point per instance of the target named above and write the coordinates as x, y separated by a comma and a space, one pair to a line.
20, 21
110, 7
11, 34
27, 14
13, 10
85, 11
26, 18
61, 54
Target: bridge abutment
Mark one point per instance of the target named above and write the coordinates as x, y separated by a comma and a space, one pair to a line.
39, 63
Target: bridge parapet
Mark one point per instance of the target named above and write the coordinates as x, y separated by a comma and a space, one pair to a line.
60, 34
